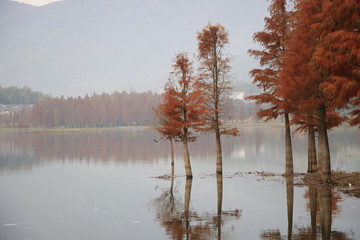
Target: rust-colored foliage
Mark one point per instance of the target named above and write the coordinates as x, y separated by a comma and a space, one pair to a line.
164, 124
214, 75
337, 54
300, 82
182, 111
321, 65
182, 108
272, 39
214, 79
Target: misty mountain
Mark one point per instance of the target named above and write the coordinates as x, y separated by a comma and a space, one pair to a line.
74, 47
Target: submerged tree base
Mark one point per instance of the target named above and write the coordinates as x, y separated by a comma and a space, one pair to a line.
346, 182
338, 179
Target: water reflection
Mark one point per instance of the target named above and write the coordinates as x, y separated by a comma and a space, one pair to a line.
249, 152
290, 203
116, 163
118, 147
219, 185
323, 207
180, 222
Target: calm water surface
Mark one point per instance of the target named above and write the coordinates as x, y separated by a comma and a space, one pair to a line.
78, 186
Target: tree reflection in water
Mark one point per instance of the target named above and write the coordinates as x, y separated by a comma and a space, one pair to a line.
180, 222
322, 206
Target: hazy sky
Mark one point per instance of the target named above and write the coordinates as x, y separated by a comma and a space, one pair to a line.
73, 47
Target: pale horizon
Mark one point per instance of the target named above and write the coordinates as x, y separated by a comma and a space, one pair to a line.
37, 3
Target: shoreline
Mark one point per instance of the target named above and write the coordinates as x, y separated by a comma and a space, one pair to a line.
120, 128
74, 130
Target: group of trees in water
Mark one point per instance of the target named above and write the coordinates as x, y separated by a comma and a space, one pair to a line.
310, 58
310, 71
196, 103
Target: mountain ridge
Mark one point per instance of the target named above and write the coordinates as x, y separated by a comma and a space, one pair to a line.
76, 47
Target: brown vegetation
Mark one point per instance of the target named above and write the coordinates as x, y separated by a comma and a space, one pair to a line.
346, 182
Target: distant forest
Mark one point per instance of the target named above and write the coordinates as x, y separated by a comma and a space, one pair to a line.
16, 95
96, 110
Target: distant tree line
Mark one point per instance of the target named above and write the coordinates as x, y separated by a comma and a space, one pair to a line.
97, 110
19, 95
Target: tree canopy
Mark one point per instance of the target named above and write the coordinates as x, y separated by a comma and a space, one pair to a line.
19, 95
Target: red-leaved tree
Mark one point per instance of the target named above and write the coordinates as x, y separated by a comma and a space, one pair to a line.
214, 77
318, 75
337, 54
182, 108
273, 40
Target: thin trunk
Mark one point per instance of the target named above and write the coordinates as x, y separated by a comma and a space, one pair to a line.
172, 157
188, 170
218, 139
312, 161
323, 147
325, 200
289, 168
185, 136
219, 179
172, 199
172, 170
218, 152
187, 206
219, 169
290, 203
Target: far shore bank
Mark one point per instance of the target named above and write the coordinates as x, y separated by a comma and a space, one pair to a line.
74, 130
125, 128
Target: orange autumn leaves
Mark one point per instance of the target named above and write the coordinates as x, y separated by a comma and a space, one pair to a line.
182, 109
312, 58
194, 104
311, 63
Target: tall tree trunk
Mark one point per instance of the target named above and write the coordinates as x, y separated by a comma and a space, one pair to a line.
289, 166
290, 203
325, 200
312, 161
217, 134
219, 180
172, 200
187, 206
323, 147
187, 163
219, 168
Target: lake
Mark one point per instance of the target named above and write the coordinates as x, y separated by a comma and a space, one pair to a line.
106, 185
